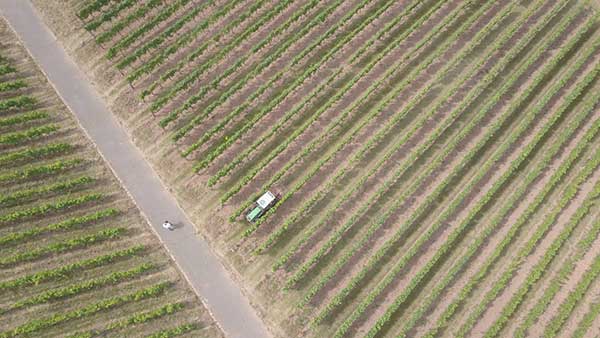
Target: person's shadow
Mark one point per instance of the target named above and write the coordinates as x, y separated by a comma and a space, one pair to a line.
178, 225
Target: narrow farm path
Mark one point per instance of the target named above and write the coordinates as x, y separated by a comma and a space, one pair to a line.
199, 264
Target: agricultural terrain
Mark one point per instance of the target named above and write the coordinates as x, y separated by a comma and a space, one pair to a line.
437, 162
78, 259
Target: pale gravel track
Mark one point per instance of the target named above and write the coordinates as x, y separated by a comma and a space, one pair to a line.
199, 264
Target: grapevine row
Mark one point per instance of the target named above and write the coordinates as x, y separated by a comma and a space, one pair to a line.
540, 267
588, 319
19, 102
340, 118
52, 295
91, 8
23, 118
272, 56
240, 131
330, 131
109, 15
509, 204
62, 246
29, 154
399, 172
567, 268
514, 197
374, 141
187, 81
163, 36
189, 58
7, 69
12, 85
139, 13
27, 195
499, 286
173, 332
181, 43
135, 319
46, 209
328, 82
163, 15
574, 297
456, 233
68, 270
30, 134
515, 228
72, 223
39, 171
36, 325
337, 300
241, 83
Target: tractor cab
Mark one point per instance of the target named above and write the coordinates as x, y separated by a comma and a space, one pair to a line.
266, 201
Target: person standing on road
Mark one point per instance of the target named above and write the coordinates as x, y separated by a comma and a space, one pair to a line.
167, 225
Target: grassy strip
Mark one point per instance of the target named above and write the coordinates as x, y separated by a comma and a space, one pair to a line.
36, 325
27, 135
66, 271
12, 85
139, 13
149, 25
23, 118
62, 246
75, 222
49, 208
25, 196
34, 172
32, 154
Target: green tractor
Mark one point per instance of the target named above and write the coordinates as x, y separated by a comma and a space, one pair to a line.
266, 201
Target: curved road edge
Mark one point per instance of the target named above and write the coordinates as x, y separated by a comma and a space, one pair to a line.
200, 266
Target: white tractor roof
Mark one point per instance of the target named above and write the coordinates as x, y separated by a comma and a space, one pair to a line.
266, 199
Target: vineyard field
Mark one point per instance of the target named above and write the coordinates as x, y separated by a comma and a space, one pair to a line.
78, 259
436, 162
